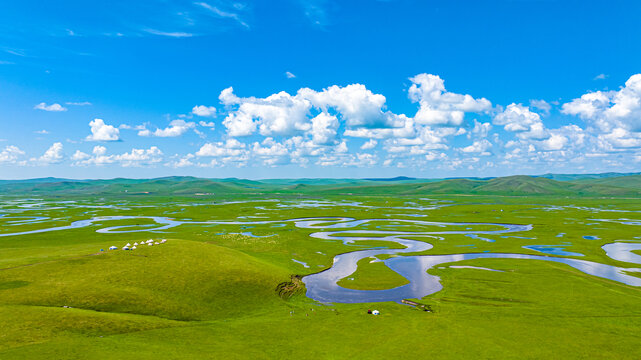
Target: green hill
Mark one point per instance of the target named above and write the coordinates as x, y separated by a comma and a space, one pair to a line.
630, 181
518, 185
511, 185
574, 177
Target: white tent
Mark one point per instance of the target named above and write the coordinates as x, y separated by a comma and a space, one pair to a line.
113, 248
375, 312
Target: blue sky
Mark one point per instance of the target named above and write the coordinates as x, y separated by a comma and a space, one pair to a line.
272, 89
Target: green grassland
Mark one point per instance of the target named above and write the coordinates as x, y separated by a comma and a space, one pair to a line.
211, 292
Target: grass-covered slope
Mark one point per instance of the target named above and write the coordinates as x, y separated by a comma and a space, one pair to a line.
630, 181
169, 285
515, 185
179, 280
511, 185
158, 187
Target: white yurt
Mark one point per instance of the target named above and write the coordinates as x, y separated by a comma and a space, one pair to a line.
375, 312
113, 248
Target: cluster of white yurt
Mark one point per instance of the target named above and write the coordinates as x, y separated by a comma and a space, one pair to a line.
150, 242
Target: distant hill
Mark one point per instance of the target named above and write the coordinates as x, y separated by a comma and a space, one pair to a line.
573, 177
511, 185
630, 181
309, 181
38, 180
398, 178
610, 186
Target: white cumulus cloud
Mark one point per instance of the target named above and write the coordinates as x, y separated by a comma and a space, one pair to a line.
79, 155
176, 128
53, 155
440, 107
480, 147
10, 154
136, 157
102, 132
615, 114
204, 111
527, 124
324, 127
370, 144
232, 149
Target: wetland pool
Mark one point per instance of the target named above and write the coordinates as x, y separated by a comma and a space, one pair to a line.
323, 286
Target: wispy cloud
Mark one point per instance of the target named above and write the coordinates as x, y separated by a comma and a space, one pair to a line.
289, 75
82, 103
175, 34
15, 52
601, 77
55, 107
224, 14
316, 11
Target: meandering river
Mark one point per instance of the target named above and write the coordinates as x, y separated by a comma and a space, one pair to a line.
323, 286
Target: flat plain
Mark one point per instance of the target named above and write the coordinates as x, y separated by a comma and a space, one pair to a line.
229, 282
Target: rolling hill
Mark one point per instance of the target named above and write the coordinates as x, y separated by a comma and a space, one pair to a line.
519, 185
629, 181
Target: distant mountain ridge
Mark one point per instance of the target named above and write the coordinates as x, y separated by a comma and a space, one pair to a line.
572, 177
398, 178
593, 185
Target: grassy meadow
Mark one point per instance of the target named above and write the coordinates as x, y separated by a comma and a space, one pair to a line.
211, 290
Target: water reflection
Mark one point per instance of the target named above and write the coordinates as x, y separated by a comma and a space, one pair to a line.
322, 286
623, 252
552, 250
